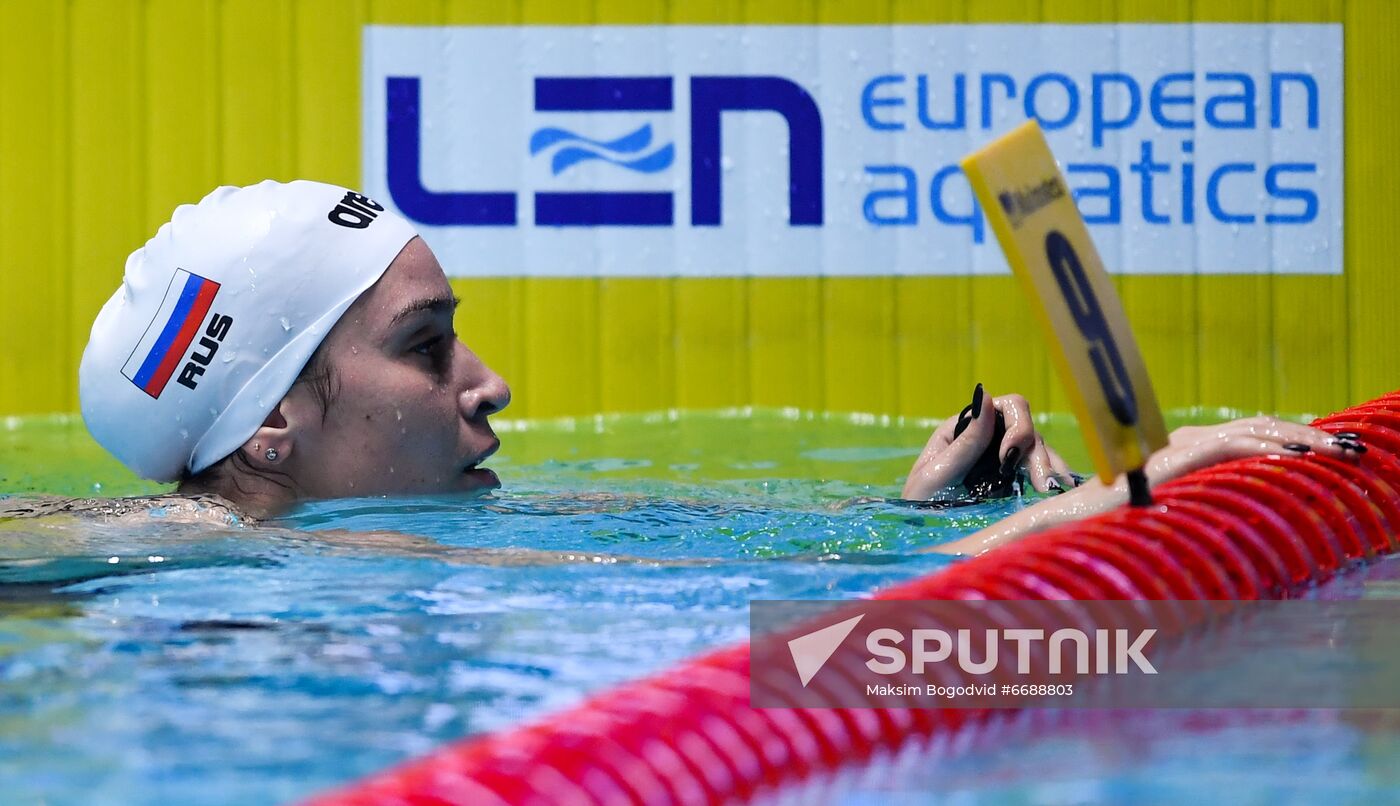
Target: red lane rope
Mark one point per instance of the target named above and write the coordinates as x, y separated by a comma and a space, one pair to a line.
1265, 527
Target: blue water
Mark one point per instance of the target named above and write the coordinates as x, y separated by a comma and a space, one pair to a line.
171, 664
160, 663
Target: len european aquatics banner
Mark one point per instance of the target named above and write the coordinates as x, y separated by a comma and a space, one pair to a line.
833, 150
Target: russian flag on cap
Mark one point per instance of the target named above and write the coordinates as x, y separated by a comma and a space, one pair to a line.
168, 336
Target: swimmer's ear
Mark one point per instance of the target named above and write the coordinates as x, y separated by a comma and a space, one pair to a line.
271, 444
295, 419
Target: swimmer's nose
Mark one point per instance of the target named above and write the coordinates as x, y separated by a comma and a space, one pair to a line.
487, 395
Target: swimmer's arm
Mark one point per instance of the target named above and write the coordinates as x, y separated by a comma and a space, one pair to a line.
1190, 448
1090, 498
399, 544
571, 503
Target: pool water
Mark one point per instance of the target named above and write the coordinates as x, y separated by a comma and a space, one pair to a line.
162, 662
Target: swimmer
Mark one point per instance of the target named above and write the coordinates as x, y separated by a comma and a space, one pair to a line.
285, 342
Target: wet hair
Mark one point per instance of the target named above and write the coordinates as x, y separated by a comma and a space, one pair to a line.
223, 477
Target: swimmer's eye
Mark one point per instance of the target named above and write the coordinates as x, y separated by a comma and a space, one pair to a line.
434, 348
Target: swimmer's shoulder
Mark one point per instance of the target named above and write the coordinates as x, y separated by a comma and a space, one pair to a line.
172, 507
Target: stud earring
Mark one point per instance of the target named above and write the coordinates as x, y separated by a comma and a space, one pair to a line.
271, 454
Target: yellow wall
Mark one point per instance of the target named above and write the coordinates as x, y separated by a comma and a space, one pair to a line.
114, 111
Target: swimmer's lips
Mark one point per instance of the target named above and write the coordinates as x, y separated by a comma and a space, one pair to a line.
481, 475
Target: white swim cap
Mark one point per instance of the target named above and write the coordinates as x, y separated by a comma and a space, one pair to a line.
219, 313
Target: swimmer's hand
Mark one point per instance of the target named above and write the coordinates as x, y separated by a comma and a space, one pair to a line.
1190, 448
946, 459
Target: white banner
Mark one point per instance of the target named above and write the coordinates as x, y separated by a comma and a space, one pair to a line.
833, 150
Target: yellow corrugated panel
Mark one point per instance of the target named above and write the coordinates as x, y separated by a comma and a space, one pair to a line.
785, 327
860, 372
561, 348
1080, 11
933, 345
326, 82
183, 110
631, 12
36, 371
108, 161
558, 12
1373, 174
257, 132
712, 362
406, 12
636, 360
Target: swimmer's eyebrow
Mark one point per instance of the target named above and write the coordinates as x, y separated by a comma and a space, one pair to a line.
446, 305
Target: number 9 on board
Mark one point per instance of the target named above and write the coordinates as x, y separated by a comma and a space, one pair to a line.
1047, 244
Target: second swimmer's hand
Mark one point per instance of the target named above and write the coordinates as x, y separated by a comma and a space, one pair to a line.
947, 458
1195, 447
1190, 448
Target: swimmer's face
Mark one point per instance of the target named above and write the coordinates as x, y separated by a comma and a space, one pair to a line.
410, 402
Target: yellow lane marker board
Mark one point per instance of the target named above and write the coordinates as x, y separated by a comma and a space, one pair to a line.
1047, 244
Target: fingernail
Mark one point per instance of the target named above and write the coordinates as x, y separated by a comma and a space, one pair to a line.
1350, 445
1297, 446
1008, 466
1347, 435
977, 402
1053, 485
